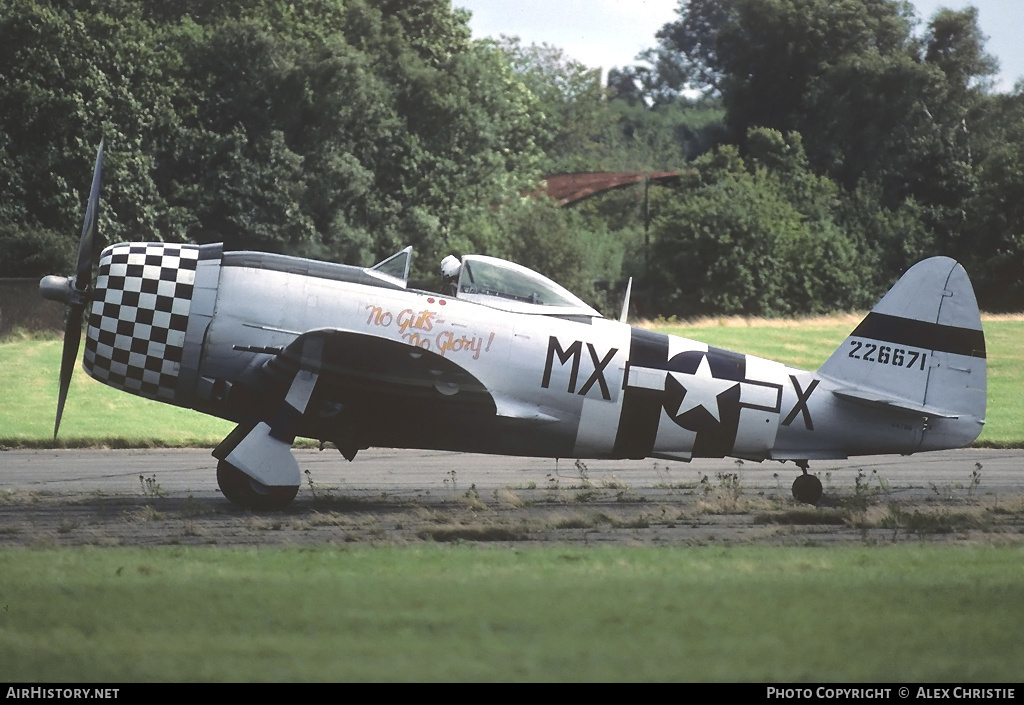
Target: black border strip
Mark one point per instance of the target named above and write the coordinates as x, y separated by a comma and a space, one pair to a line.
921, 334
641, 408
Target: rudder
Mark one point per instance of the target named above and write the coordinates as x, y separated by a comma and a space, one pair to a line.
921, 350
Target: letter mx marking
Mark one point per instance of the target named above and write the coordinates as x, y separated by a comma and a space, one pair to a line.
575, 352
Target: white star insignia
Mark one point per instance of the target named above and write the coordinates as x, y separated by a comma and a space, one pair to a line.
702, 389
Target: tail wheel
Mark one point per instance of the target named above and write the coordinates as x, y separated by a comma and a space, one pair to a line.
807, 489
246, 492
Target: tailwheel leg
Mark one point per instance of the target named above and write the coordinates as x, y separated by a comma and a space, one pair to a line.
807, 487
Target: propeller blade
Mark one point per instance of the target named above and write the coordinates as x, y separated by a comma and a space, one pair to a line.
69, 356
77, 293
87, 242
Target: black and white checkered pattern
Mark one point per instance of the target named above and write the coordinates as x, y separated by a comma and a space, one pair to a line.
139, 314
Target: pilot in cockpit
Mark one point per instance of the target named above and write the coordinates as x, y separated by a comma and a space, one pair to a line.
450, 268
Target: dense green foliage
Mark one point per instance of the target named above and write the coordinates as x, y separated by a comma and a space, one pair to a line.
825, 145
902, 122
756, 236
342, 130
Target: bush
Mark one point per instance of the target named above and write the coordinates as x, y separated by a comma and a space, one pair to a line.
755, 237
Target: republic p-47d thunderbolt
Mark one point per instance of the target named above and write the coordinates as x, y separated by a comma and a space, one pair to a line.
507, 362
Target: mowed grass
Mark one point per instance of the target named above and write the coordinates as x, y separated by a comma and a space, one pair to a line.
804, 344
95, 414
99, 415
911, 613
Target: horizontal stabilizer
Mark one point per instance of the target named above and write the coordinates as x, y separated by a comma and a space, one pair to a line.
870, 398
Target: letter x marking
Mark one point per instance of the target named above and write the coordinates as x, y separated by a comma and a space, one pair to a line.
801, 403
598, 375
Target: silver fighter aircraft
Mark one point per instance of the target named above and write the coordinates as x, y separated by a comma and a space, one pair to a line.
507, 362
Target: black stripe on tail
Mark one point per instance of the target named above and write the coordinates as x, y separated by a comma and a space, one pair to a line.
921, 334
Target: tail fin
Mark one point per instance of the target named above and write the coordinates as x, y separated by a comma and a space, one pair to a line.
920, 350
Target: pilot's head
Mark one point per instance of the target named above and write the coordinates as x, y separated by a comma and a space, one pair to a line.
450, 267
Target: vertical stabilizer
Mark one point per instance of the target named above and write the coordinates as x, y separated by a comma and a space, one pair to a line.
920, 350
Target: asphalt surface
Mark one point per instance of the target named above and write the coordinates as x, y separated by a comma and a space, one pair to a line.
149, 498
193, 471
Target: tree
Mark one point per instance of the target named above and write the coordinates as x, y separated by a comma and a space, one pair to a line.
336, 129
755, 237
71, 73
578, 131
993, 245
765, 57
892, 117
956, 46
869, 98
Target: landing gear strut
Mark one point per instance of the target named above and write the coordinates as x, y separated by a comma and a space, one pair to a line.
806, 487
246, 492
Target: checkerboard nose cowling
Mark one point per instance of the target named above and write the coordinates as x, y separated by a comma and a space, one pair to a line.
140, 308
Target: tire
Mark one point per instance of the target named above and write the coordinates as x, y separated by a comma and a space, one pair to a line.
807, 489
242, 490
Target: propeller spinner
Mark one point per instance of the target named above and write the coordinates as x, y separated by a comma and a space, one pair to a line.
76, 291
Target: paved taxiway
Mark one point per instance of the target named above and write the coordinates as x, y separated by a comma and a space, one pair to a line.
194, 471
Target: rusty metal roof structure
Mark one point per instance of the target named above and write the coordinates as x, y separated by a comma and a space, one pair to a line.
567, 189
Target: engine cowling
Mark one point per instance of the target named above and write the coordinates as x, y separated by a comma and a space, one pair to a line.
150, 309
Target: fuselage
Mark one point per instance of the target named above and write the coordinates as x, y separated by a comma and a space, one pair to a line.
527, 384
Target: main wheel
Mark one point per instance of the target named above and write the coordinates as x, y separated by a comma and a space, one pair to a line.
246, 492
807, 489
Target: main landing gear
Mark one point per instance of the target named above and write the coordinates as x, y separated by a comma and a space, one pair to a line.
806, 487
240, 489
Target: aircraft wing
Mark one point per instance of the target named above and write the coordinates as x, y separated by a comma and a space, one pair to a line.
374, 373
360, 362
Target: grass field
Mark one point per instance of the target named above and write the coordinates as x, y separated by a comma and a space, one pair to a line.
913, 613
99, 415
95, 414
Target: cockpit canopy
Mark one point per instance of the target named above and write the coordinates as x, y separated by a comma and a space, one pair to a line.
395, 268
484, 280
508, 286
492, 282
